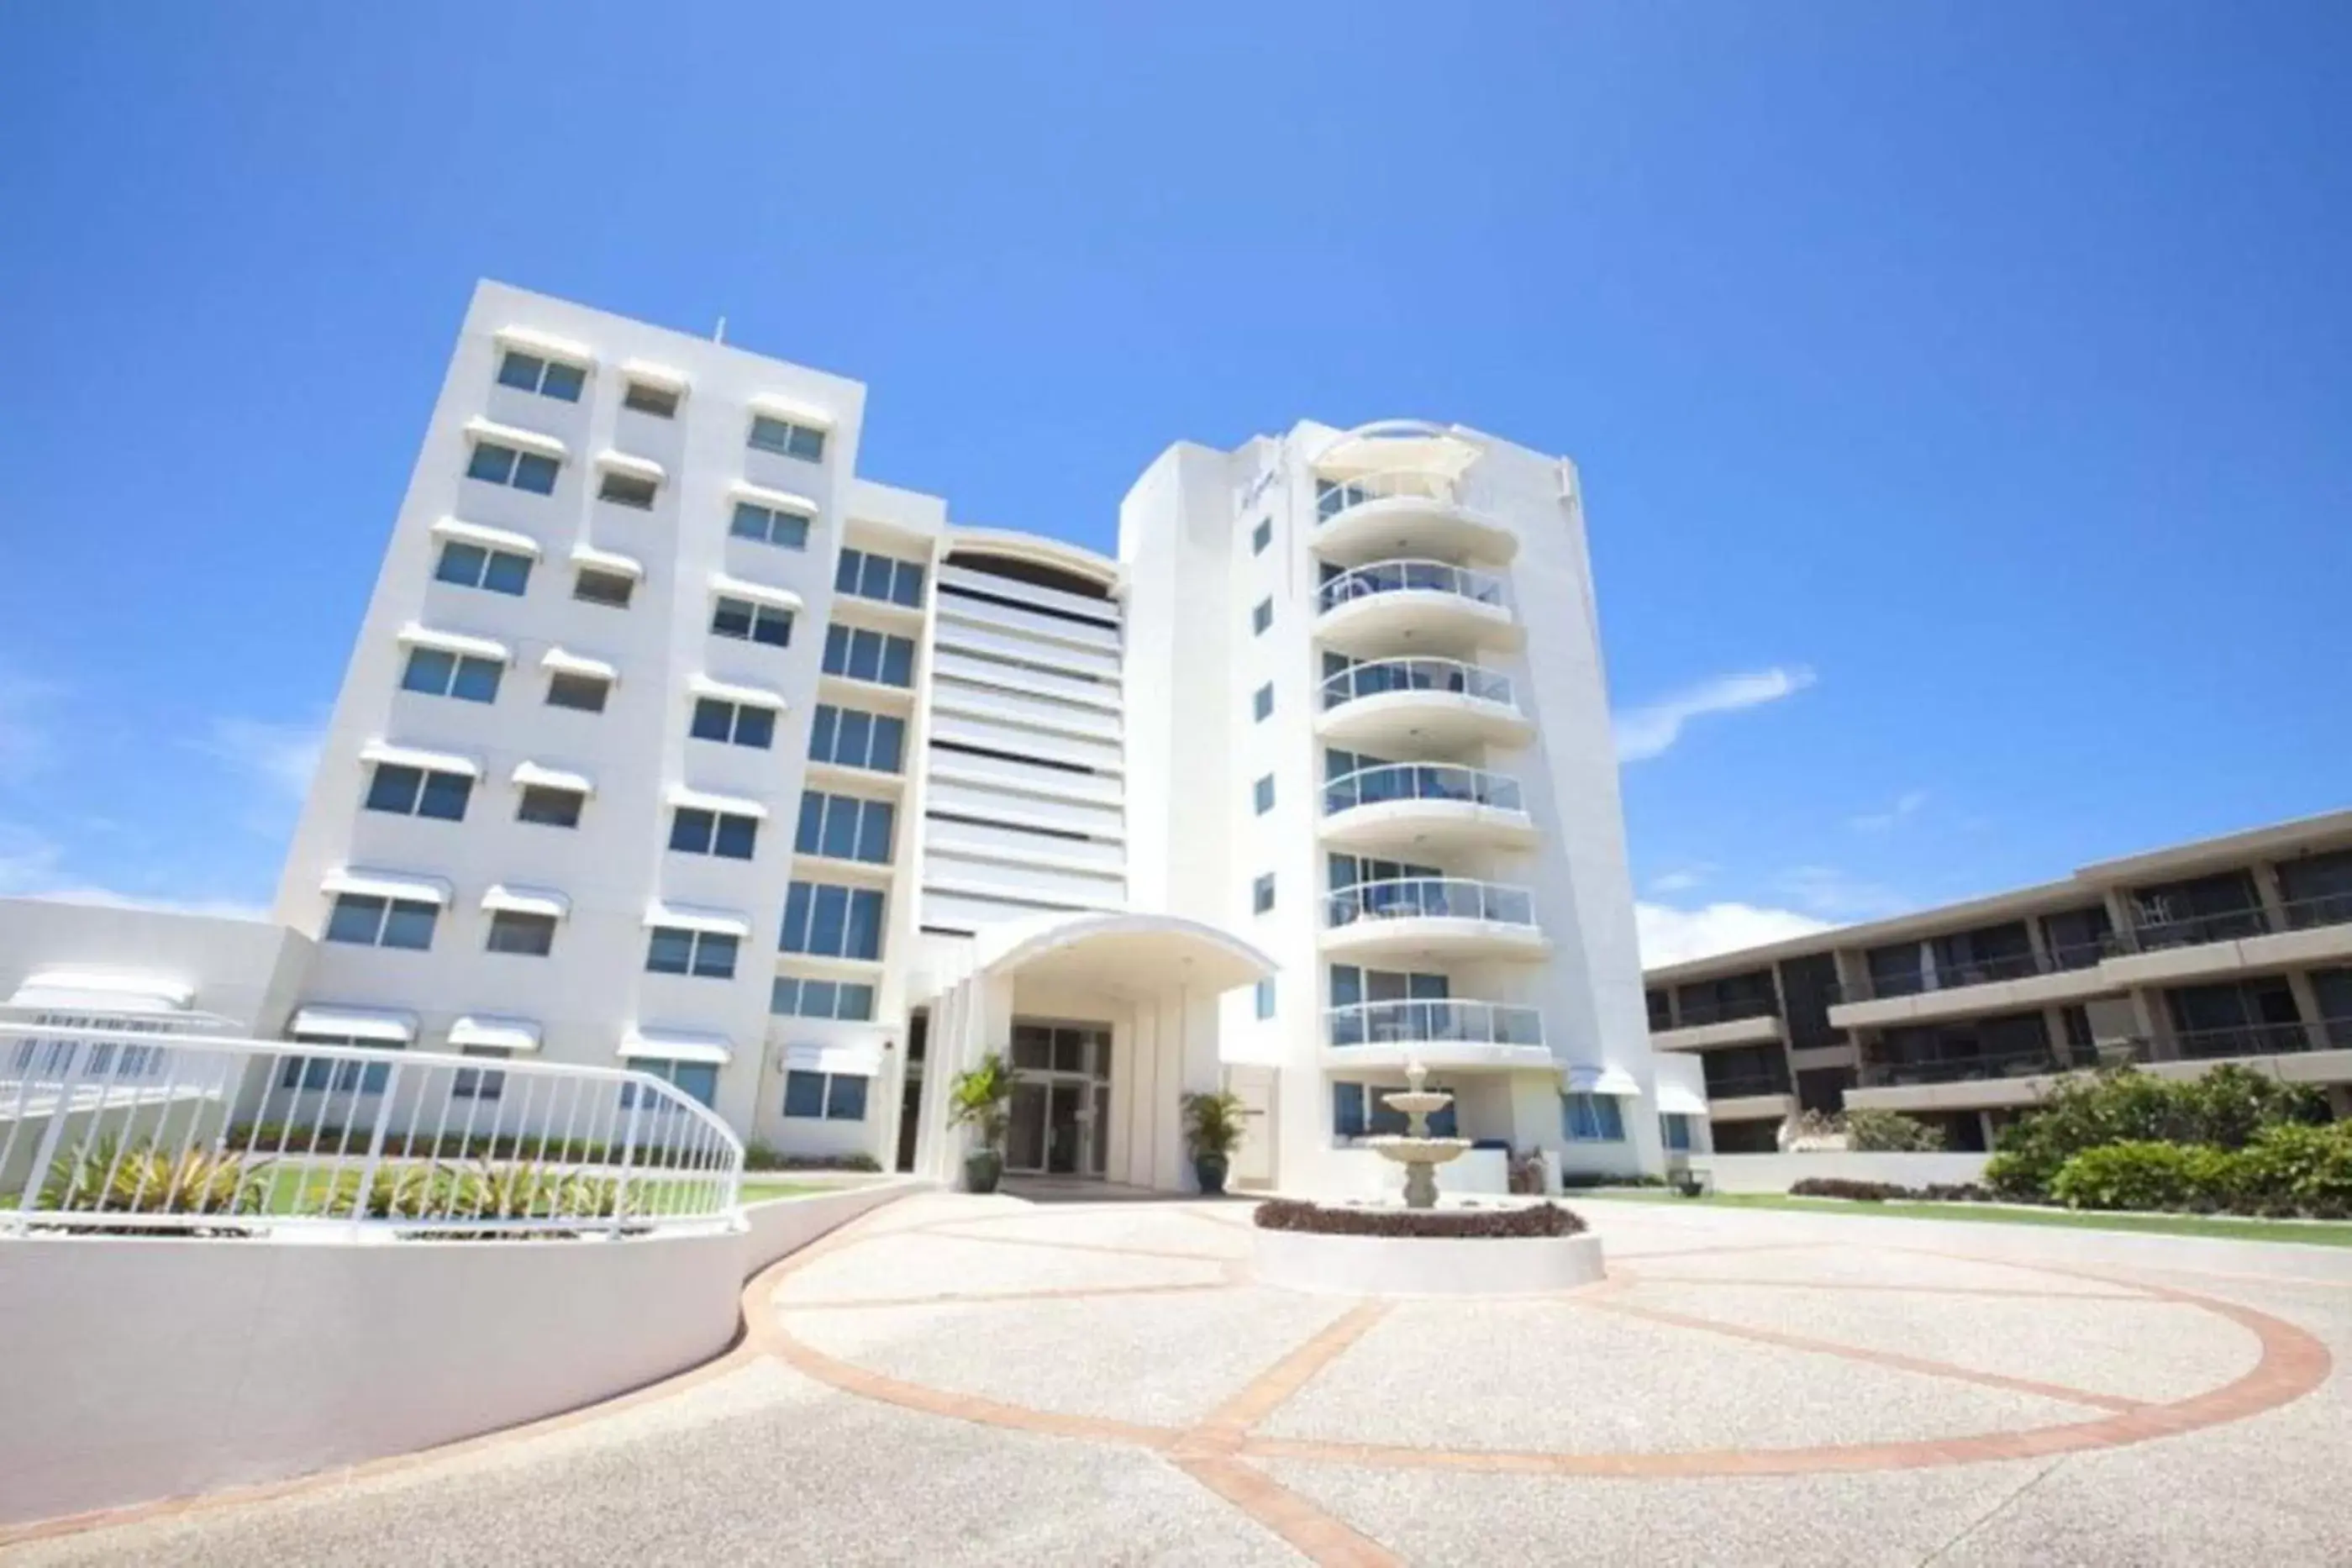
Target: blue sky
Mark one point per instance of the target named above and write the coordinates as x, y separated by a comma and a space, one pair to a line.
1962, 390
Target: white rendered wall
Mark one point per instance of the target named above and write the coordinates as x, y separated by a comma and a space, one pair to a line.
248, 972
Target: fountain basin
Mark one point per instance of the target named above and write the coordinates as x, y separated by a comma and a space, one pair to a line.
1407, 1151
1465, 1250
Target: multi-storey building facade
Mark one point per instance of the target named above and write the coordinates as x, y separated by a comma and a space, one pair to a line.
668, 739
2230, 948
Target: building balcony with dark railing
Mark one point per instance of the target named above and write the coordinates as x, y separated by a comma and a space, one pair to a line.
1709, 1023
2157, 935
1924, 981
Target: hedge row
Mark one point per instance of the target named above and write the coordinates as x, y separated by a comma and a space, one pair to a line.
2226, 1109
1886, 1192
2286, 1170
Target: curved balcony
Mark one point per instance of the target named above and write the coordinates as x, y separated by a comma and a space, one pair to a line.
1432, 916
1446, 1033
1427, 807
1384, 602
1420, 704
1407, 512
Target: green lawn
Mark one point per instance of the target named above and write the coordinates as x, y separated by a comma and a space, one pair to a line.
2310, 1233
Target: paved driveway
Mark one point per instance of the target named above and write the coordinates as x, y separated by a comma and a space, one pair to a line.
980, 1380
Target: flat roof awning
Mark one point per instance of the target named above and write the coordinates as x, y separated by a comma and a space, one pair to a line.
389, 1026
676, 1045
481, 1031
1673, 1099
861, 1058
1585, 1079
1124, 953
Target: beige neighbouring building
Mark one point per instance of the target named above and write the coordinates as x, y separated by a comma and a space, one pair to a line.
2234, 949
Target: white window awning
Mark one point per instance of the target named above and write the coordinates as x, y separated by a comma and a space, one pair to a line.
758, 593
1583, 1078
386, 1023
728, 691
515, 435
1673, 1099
488, 537
698, 800
677, 1045
83, 991
483, 1031
416, 757
526, 901
560, 661
776, 407
636, 467
608, 561
547, 345
693, 917
777, 500
668, 377
386, 885
861, 1058
417, 634
535, 775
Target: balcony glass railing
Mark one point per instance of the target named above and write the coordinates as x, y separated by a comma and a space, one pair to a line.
2252, 1040
1380, 676
1429, 898
1409, 577
1961, 1066
1422, 1023
1420, 781
2156, 935
1333, 496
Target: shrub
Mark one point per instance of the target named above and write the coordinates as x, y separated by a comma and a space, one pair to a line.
1516, 1220
761, 1157
1845, 1187
2225, 1108
2310, 1167
109, 1178
1586, 1179
1891, 1131
2142, 1173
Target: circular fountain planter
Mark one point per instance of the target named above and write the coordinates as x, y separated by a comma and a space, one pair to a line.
1426, 1265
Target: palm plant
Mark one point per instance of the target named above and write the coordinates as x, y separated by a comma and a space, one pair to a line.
106, 1177
1213, 1129
981, 1097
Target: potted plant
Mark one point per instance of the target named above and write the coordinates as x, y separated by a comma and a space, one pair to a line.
981, 1099
1212, 1130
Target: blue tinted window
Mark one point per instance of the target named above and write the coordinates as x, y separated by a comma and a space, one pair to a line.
840, 841
491, 462
810, 830
897, 662
355, 918
828, 918
563, 381
856, 1003
803, 1094
1348, 1110
461, 563
793, 937
856, 739
1265, 998
1262, 701
521, 370
865, 655
873, 832
844, 1099
738, 838
714, 955
394, 788
507, 572
865, 937
477, 680
755, 727
409, 925
445, 797
670, 950
534, 473
822, 726
889, 737
428, 670
690, 830
697, 1079
1261, 794
712, 720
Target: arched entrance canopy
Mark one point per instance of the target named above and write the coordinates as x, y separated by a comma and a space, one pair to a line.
1124, 954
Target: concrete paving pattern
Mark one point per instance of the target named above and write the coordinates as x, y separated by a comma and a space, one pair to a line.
961, 1380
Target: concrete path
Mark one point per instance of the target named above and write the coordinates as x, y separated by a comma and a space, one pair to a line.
960, 1379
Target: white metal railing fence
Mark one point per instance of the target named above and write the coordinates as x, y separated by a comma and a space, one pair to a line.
1377, 677
1421, 781
113, 1128
1409, 577
1430, 898
1428, 1021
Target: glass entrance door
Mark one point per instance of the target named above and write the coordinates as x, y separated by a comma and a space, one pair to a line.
1061, 1099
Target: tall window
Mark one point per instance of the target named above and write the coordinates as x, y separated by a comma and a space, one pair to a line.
828, 920
858, 653
1260, 617
1262, 894
853, 738
867, 575
1261, 794
519, 930
845, 827
1262, 701
1260, 536
1264, 998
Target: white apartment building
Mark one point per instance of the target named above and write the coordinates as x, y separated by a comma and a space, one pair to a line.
667, 738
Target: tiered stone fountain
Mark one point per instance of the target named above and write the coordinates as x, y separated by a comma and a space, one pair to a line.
1414, 1149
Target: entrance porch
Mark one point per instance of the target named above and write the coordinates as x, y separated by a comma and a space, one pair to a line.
1108, 1021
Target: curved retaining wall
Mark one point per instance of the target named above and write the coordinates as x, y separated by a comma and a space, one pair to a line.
141, 1368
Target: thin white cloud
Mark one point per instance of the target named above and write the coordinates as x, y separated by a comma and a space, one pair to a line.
282, 756
1652, 728
1837, 895
1907, 805
1682, 880
1670, 935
